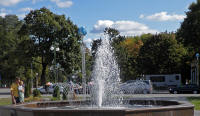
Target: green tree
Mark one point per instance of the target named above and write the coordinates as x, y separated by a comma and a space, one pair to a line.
113, 33
161, 54
9, 40
130, 47
95, 45
45, 29
89, 61
188, 33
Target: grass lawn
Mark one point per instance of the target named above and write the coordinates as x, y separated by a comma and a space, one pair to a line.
5, 101
195, 101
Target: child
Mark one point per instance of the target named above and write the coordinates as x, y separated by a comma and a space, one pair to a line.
21, 92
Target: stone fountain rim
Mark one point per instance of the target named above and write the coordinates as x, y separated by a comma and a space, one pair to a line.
181, 105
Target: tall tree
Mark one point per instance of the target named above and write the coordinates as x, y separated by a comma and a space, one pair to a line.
46, 29
95, 45
113, 33
161, 54
188, 33
131, 46
9, 40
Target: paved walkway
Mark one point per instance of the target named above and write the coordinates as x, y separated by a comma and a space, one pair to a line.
4, 92
196, 113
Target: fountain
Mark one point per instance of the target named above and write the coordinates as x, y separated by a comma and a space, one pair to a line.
106, 99
105, 77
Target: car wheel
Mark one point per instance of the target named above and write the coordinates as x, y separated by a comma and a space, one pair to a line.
175, 92
195, 92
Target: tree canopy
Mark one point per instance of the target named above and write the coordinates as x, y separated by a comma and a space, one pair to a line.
189, 32
161, 54
46, 29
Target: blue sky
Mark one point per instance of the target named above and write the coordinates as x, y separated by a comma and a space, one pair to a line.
130, 17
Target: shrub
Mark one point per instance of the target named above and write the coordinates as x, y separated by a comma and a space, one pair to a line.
56, 92
55, 99
36, 93
31, 99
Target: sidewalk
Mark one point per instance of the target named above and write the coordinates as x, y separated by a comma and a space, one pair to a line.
196, 112
160, 92
4, 92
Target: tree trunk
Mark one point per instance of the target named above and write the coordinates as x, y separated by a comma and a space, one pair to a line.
43, 76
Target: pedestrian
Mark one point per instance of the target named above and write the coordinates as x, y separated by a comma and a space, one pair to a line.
21, 92
14, 91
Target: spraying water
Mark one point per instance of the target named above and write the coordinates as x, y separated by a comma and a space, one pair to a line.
105, 76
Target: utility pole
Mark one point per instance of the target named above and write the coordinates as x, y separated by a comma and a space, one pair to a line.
36, 80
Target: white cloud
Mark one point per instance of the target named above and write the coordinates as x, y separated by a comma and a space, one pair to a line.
63, 3
141, 16
9, 2
127, 28
163, 16
23, 11
34, 1
101, 25
21, 16
27, 9
3, 12
87, 41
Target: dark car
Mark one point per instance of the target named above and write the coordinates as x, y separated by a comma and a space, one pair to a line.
189, 88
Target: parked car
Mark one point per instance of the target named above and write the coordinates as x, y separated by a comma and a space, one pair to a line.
189, 88
49, 89
79, 89
136, 87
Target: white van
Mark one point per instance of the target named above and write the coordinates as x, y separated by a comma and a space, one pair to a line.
164, 80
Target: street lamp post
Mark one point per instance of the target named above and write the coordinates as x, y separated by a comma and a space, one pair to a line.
197, 55
36, 80
82, 32
55, 48
31, 76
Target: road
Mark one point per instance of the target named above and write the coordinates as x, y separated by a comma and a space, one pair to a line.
4, 92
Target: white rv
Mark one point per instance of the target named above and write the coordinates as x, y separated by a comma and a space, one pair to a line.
164, 80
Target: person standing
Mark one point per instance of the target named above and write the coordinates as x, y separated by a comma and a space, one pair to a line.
14, 91
21, 92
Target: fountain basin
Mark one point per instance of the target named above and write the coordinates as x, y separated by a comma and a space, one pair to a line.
150, 108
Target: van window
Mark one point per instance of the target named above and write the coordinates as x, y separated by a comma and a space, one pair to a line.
157, 78
177, 77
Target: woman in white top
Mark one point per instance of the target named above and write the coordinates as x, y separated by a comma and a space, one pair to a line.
21, 92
